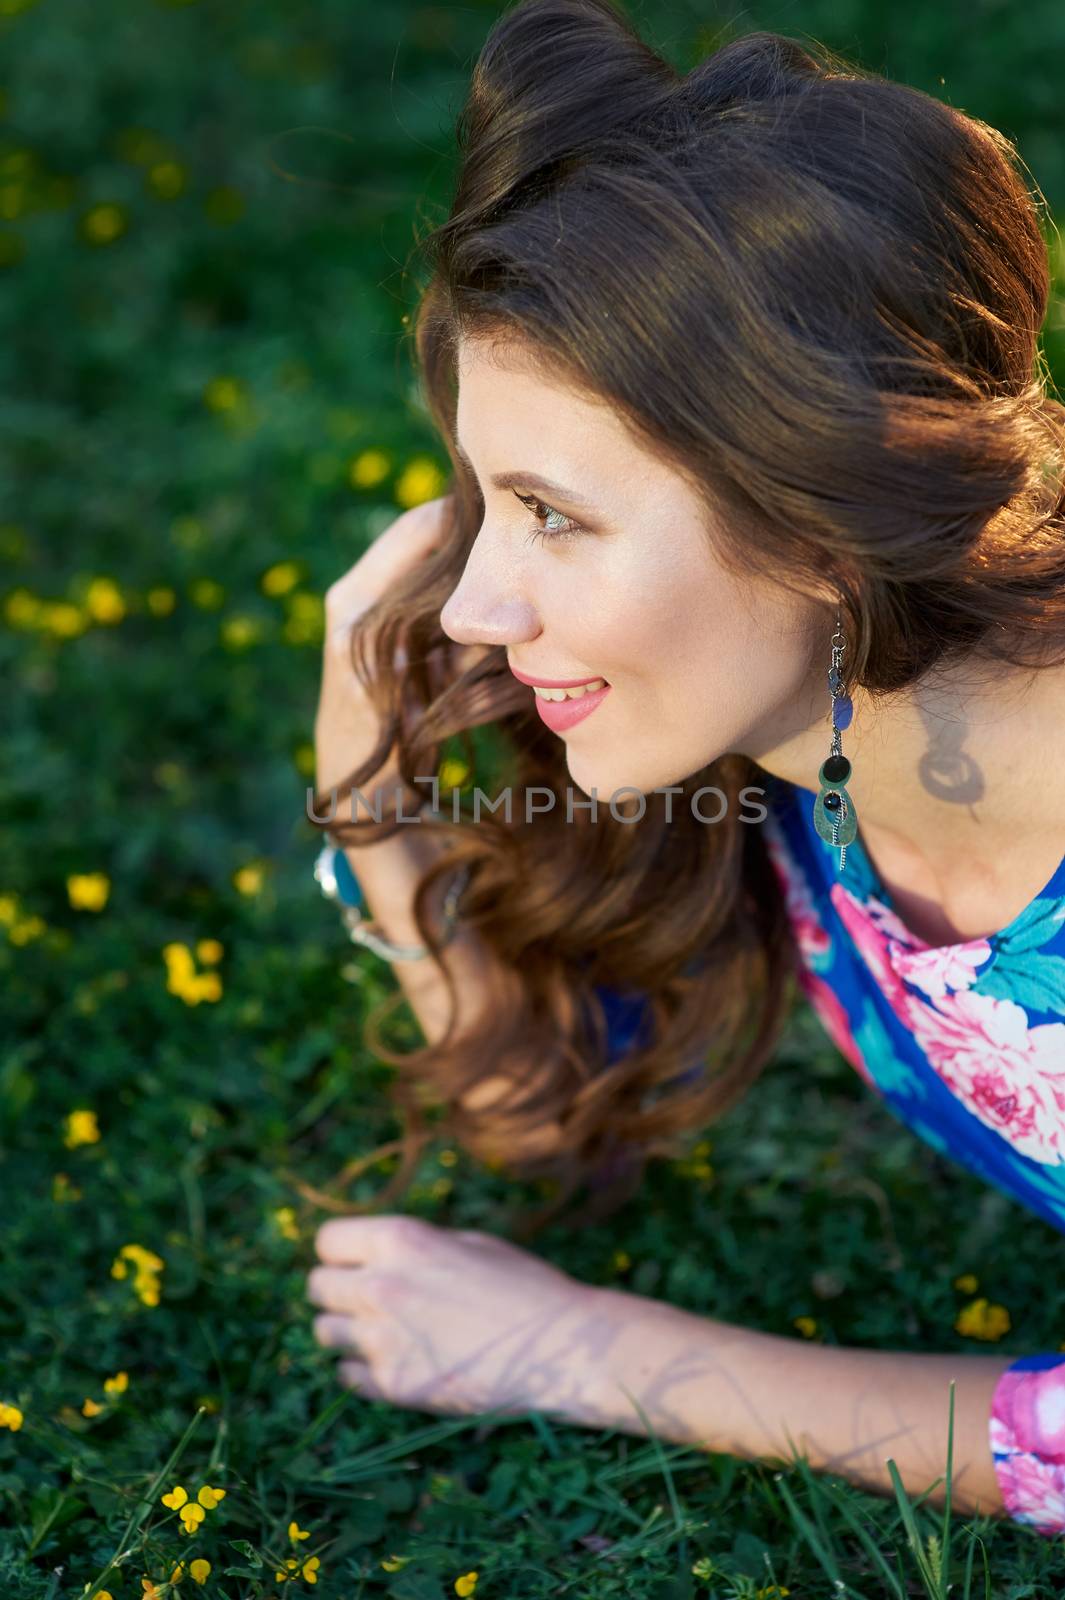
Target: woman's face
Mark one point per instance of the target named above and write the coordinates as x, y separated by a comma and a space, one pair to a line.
698, 662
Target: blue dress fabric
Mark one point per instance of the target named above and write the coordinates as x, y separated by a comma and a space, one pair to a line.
965, 1043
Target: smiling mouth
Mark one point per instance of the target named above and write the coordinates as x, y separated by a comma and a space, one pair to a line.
591, 687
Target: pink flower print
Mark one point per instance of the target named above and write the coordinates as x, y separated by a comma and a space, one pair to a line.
936, 970
864, 921
1033, 1492
1009, 1075
1028, 1412
813, 941
835, 1021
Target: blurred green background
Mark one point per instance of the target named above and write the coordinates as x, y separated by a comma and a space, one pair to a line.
206, 214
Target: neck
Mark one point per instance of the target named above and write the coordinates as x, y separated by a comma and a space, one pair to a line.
958, 766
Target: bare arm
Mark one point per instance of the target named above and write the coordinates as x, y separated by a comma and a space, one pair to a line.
741, 1391
346, 728
388, 872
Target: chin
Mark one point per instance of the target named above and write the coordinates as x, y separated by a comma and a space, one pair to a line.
606, 781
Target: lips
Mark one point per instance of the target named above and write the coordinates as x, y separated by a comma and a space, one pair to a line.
561, 715
553, 683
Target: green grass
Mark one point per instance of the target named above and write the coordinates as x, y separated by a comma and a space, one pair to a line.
184, 399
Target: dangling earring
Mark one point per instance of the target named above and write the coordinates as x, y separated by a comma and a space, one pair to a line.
834, 815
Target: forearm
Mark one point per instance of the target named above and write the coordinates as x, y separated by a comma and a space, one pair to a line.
744, 1392
388, 872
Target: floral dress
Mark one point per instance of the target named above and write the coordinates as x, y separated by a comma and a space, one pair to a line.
966, 1044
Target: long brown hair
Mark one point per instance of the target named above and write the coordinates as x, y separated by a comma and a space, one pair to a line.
818, 293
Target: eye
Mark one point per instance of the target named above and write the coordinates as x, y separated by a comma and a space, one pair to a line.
546, 530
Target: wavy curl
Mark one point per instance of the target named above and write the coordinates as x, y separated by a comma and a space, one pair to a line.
818, 293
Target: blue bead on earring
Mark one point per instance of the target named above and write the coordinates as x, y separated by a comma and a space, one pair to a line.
834, 815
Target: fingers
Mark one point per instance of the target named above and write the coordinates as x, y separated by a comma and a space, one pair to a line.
356, 1241
415, 534
338, 1289
357, 1375
335, 1331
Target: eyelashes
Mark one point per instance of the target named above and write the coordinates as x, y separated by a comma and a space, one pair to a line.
542, 511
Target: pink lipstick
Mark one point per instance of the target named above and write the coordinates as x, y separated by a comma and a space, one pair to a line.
560, 715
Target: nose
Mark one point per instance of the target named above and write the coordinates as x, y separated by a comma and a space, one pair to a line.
488, 605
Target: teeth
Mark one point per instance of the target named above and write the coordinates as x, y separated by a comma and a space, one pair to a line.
571, 694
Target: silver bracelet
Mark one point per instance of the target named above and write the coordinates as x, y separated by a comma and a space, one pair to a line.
365, 933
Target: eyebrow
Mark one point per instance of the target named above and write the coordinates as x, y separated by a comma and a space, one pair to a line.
529, 480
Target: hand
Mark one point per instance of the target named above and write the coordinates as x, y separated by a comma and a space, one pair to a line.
453, 1321
346, 726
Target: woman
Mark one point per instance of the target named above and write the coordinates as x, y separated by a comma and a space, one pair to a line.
738, 373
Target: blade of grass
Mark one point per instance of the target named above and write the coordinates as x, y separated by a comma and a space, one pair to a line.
898, 1590
974, 1540
912, 1535
944, 1570
813, 1539
678, 1515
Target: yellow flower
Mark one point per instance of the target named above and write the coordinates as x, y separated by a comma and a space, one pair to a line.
979, 1320
207, 594
395, 1563
292, 1565
8, 908
81, 1128
91, 1409
176, 1498
63, 618
200, 1570
807, 1326
466, 1584
191, 1517
280, 578
310, 1569
151, 1591
183, 980
88, 891
238, 632
249, 880
24, 931
10, 1417
104, 601
118, 1384
161, 601
103, 224
166, 180
137, 1252
772, 1593
305, 620
453, 773
296, 1533
303, 756
223, 394
178, 958
209, 951
285, 1218
368, 469
22, 609
421, 479
146, 1265
968, 1283
210, 1497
